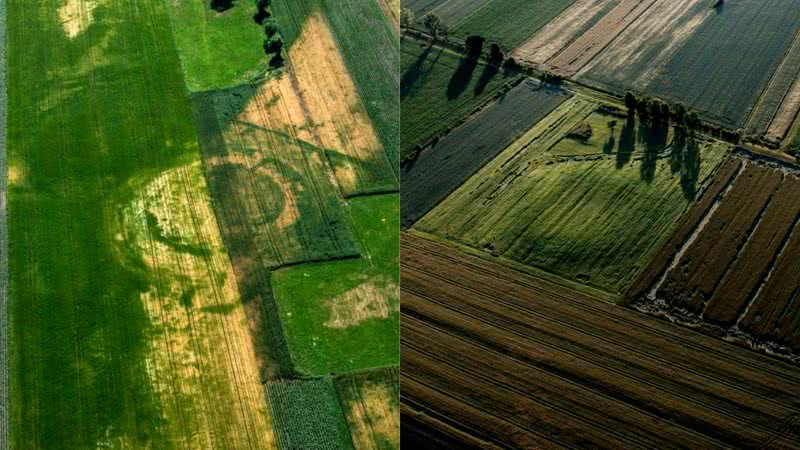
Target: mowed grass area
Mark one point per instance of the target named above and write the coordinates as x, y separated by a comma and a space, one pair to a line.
116, 265
510, 22
590, 219
343, 316
438, 89
369, 46
218, 49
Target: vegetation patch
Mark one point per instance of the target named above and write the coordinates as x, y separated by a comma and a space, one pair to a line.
593, 218
371, 404
308, 415
439, 89
329, 310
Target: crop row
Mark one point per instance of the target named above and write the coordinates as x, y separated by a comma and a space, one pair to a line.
729, 263
470, 325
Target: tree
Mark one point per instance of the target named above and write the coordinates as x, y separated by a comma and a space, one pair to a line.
631, 101
432, 23
496, 53
406, 18
692, 120
270, 27
474, 45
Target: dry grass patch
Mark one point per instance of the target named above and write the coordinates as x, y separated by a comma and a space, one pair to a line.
76, 16
372, 299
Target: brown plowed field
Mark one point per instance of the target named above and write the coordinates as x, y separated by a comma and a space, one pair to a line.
733, 261
692, 281
496, 357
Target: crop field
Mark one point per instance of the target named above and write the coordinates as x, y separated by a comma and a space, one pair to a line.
218, 50
472, 326
330, 309
563, 30
371, 404
731, 262
128, 329
439, 89
392, 10
308, 415
369, 48
589, 211
442, 168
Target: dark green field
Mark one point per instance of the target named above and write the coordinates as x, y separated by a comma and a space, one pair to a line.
439, 88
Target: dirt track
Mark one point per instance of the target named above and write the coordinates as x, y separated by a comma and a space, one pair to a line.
495, 357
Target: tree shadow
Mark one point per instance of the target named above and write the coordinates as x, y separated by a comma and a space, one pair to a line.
627, 142
222, 5
685, 160
461, 77
653, 136
489, 72
608, 147
414, 73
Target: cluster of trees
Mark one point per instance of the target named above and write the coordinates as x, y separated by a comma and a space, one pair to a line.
658, 111
273, 45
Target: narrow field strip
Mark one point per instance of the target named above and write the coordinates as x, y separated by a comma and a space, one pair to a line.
448, 291
4, 325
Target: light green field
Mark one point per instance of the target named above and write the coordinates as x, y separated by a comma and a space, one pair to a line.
218, 50
593, 219
120, 288
344, 315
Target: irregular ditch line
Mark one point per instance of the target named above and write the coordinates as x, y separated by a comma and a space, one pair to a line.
696, 233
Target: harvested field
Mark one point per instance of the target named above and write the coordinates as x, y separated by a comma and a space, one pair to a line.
440, 169
563, 30
642, 44
595, 217
509, 22
308, 415
439, 89
730, 267
780, 102
474, 331
589, 44
371, 404
368, 45
328, 310
726, 64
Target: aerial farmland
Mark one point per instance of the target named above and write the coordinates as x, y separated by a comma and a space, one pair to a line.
200, 207
600, 208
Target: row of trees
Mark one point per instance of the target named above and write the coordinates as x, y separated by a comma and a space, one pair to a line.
273, 45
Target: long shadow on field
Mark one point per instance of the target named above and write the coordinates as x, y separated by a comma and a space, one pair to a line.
489, 72
685, 160
462, 77
415, 73
627, 142
653, 136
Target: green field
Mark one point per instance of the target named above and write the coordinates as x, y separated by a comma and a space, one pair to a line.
591, 219
308, 415
218, 50
510, 22
438, 89
369, 46
99, 112
331, 310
